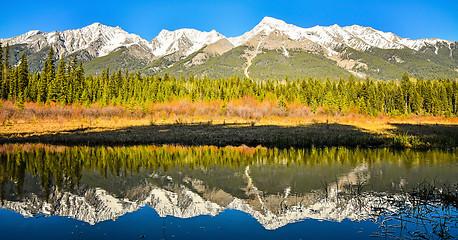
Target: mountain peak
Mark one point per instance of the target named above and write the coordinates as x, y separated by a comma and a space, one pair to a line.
100, 27
186, 40
95, 25
96, 40
33, 33
335, 26
94, 28
189, 32
271, 21
266, 26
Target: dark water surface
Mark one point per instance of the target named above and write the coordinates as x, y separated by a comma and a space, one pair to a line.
173, 192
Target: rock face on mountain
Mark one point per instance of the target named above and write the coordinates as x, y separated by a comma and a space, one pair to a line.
334, 37
362, 51
182, 41
88, 43
96, 39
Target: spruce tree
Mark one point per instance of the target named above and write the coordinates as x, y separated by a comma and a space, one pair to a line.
79, 82
42, 88
13, 93
406, 88
32, 93
23, 75
6, 74
415, 102
61, 87
49, 73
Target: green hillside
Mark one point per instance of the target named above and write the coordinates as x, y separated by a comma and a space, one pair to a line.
431, 62
387, 64
227, 64
35, 60
116, 60
299, 64
158, 65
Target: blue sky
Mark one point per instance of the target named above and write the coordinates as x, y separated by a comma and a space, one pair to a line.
412, 19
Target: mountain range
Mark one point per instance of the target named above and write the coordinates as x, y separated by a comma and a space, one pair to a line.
193, 197
272, 49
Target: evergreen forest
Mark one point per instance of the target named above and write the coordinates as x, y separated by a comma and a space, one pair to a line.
64, 82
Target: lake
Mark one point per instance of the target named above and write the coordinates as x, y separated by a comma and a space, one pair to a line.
206, 192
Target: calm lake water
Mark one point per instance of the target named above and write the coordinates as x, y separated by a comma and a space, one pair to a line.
173, 192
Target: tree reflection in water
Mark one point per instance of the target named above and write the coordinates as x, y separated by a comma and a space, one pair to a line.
410, 194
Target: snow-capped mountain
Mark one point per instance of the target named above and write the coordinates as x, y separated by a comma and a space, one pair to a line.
162, 54
100, 40
97, 39
185, 41
333, 37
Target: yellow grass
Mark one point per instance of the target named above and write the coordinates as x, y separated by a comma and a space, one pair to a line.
243, 116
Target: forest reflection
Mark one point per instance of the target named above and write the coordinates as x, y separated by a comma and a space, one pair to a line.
63, 166
275, 186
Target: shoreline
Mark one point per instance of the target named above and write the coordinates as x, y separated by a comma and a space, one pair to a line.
235, 132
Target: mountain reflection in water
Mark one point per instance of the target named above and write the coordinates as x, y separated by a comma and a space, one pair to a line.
276, 187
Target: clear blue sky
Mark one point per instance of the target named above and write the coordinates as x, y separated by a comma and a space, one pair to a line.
413, 19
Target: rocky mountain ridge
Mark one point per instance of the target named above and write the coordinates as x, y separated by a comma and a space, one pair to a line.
170, 48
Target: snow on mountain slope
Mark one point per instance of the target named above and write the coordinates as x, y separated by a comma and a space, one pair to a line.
333, 37
99, 40
183, 40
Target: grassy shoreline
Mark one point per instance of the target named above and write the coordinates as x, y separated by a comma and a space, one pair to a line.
279, 132
241, 122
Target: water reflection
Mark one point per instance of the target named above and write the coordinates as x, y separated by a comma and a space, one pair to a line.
276, 187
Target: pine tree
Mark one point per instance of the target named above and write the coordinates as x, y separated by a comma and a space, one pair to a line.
33, 87
49, 73
20, 101
85, 97
415, 102
23, 75
406, 88
41, 89
6, 74
12, 95
105, 95
79, 83
61, 87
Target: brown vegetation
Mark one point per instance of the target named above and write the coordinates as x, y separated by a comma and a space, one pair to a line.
243, 121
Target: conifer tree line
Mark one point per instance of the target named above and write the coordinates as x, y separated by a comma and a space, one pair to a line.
65, 83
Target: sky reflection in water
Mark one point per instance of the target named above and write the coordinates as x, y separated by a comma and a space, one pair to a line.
175, 192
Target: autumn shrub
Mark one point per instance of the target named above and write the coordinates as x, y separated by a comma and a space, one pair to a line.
7, 112
249, 108
246, 108
297, 110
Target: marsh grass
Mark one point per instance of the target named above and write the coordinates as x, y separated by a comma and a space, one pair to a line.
425, 211
429, 191
428, 211
243, 121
